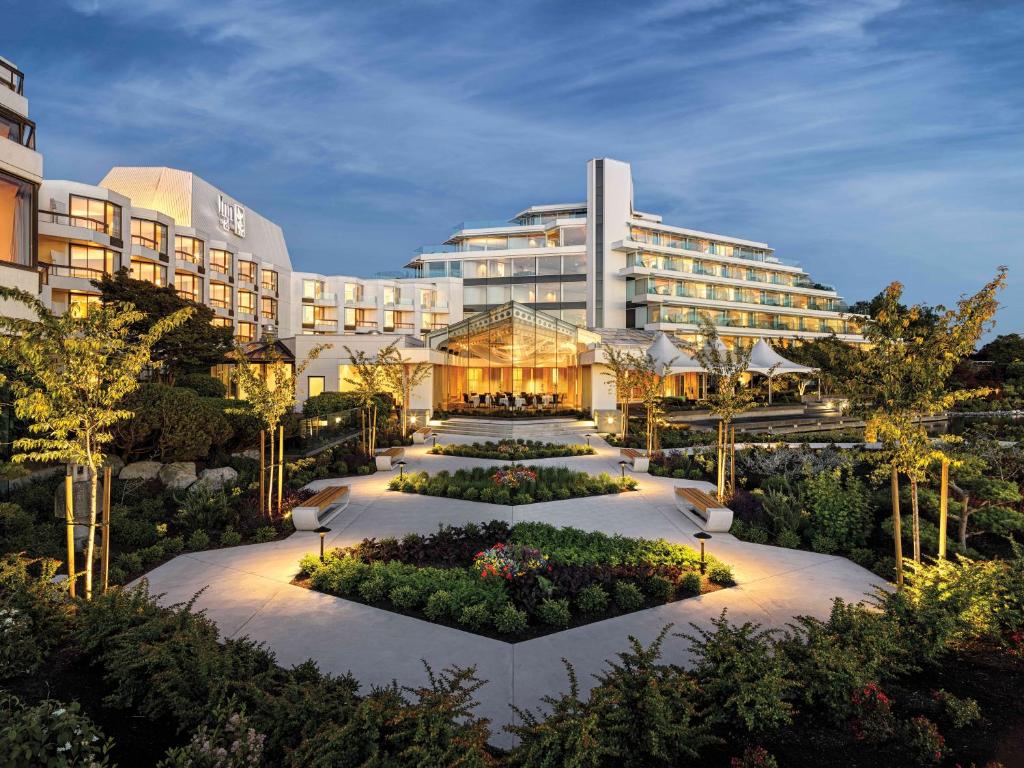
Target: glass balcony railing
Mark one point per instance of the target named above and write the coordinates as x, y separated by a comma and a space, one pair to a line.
57, 217
65, 270
681, 293
11, 77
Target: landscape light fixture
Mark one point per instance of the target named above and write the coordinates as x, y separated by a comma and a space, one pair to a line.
401, 468
435, 441
588, 436
622, 465
702, 536
323, 530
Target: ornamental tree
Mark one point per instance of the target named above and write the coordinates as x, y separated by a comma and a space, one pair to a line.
727, 398
270, 396
370, 382
70, 376
621, 375
905, 376
401, 377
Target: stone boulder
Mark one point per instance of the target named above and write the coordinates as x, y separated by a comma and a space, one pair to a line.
252, 453
216, 478
178, 475
140, 470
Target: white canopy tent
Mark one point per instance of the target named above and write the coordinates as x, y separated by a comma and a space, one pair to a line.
768, 362
669, 359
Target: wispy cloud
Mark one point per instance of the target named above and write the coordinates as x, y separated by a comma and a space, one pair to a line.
869, 139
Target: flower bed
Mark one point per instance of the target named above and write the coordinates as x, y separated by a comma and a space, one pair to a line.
516, 484
513, 450
514, 582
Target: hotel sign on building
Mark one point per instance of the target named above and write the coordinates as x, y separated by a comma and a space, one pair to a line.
232, 216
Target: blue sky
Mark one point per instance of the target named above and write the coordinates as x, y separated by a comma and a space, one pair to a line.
868, 140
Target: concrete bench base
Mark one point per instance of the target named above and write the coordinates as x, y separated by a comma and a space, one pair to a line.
386, 458
640, 462
713, 517
420, 436
313, 515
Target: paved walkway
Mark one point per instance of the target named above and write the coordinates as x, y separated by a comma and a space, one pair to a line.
247, 589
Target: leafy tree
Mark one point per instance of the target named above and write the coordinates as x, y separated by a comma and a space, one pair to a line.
977, 483
727, 397
832, 357
191, 346
270, 397
370, 382
621, 375
402, 376
72, 377
906, 374
1003, 351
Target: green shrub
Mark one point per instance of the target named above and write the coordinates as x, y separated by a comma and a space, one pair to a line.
862, 556
199, 540
839, 510
554, 612
476, 616
330, 402
471, 494
789, 539
206, 509
961, 712
337, 575
721, 574
375, 589
440, 605
405, 597
628, 597
203, 385
264, 534
51, 733
592, 600
659, 588
230, 537
744, 683
920, 741
171, 424
690, 584
745, 531
510, 620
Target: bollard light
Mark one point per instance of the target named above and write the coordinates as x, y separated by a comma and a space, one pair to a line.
401, 468
622, 466
323, 530
702, 536
588, 436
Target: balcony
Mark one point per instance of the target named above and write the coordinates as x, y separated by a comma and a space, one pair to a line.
51, 271
20, 130
12, 78
67, 220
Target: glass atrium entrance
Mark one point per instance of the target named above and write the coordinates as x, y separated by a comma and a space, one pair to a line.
511, 358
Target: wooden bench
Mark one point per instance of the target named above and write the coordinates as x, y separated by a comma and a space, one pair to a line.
709, 512
421, 435
321, 507
386, 457
640, 462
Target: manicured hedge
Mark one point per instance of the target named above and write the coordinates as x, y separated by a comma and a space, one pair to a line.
479, 484
513, 450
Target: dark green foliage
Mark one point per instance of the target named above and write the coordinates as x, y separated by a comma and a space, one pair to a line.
628, 597
592, 599
555, 612
745, 683
203, 385
194, 346
560, 482
170, 424
512, 450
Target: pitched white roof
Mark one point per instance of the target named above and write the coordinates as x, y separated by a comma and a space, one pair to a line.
668, 358
763, 359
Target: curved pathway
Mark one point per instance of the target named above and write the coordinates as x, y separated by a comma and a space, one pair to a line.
247, 589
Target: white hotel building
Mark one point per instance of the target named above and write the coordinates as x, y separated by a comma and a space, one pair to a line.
518, 306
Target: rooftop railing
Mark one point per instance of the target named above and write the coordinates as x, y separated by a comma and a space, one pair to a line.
12, 78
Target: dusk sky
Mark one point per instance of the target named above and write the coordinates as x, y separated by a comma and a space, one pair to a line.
868, 141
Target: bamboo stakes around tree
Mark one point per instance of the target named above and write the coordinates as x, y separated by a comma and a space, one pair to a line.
897, 526
943, 507
105, 547
263, 471
69, 519
280, 471
732, 462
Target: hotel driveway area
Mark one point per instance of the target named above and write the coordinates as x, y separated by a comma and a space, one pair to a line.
247, 589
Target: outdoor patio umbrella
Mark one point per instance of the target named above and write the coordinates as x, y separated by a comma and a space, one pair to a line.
669, 359
768, 362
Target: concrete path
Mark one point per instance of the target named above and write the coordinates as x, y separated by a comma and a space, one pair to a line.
247, 589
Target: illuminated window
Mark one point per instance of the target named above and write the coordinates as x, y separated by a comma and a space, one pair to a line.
247, 302
247, 270
149, 234
316, 385
220, 295
268, 308
79, 304
221, 322
189, 286
149, 271
245, 331
91, 262
97, 215
312, 289
353, 292
308, 315
268, 280
220, 260
189, 249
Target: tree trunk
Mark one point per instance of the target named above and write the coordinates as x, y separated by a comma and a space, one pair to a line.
897, 526
964, 498
915, 519
90, 545
270, 480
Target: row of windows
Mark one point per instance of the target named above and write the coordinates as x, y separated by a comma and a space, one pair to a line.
698, 267
694, 290
528, 266
525, 293
698, 244
564, 236
736, 319
576, 316
190, 287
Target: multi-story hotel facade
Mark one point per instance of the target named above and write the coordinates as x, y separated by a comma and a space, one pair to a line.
513, 311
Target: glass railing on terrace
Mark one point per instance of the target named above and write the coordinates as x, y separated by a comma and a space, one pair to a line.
673, 265
696, 246
682, 293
